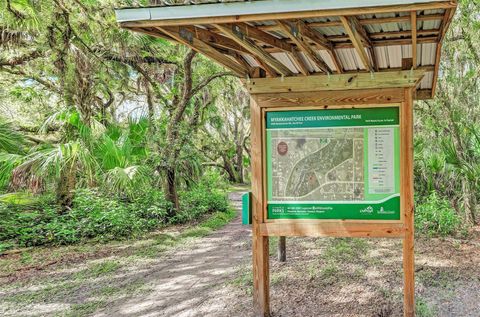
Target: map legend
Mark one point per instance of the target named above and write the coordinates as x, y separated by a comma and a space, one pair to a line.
381, 177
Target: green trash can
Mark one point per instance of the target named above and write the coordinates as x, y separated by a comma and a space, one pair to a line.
247, 209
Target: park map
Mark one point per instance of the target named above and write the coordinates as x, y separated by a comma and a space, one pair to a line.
333, 164
318, 164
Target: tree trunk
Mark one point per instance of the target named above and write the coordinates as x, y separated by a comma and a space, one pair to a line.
239, 162
66, 190
171, 192
227, 166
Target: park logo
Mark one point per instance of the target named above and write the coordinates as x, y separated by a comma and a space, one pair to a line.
367, 210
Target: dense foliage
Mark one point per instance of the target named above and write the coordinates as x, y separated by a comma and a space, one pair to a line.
96, 215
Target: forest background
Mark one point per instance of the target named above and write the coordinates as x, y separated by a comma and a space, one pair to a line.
107, 134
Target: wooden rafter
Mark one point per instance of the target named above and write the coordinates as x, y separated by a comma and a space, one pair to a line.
413, 22
189, 39
236, 34
358, 39
386, 35
264, 37
321, 41
217, 39
399, 19
298, 38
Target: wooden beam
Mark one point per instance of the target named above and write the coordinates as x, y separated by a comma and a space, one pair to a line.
321, 41
381, 43
295, 55
429, 17
331, 99
333, 229
214, 38
448, 4
189, 39
336, 82
413, 22
236, 34
298, 38
259, 35
448, 17
386, 35
351, 28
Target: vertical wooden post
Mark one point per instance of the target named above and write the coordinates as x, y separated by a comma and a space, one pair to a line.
407, 202
261, 289
281, 251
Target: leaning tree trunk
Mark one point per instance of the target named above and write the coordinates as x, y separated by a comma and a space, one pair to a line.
66, 190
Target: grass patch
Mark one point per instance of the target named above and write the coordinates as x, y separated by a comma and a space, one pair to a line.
345, 249
244, 280
272, 246
99, 269
423, 309
83, 309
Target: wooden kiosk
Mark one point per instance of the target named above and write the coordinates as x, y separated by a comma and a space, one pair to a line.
313, 65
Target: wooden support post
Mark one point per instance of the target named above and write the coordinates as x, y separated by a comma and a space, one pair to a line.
281, 251
407, 203
261, 288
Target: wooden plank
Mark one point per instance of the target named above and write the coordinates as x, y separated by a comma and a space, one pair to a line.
330, 99
295, 55
449, 14
333, 229
214, 38
322, 43
355, 36
238, 36
381, 43
235, 18
187, 38
373, 21
298, 38
386, 35
261, 291
259, 35
413, 22
357, 81
406, 201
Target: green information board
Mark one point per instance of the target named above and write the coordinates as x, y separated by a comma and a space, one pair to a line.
333, 164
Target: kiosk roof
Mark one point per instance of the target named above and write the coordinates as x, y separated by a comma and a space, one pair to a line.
304, 38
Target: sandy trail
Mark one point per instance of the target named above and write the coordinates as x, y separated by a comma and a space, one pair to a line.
191, 281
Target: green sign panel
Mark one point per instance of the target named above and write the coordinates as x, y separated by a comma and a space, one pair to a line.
333, 164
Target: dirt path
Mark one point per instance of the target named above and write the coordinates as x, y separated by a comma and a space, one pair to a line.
191, 281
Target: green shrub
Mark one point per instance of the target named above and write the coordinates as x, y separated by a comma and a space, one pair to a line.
200, 200
436, 217
99, 216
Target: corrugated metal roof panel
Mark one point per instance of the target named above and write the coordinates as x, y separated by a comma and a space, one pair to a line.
285, 60
428, 51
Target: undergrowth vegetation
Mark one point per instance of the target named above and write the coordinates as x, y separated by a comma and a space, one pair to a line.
96, 215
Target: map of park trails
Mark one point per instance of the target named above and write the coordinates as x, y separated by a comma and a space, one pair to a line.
317, 164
